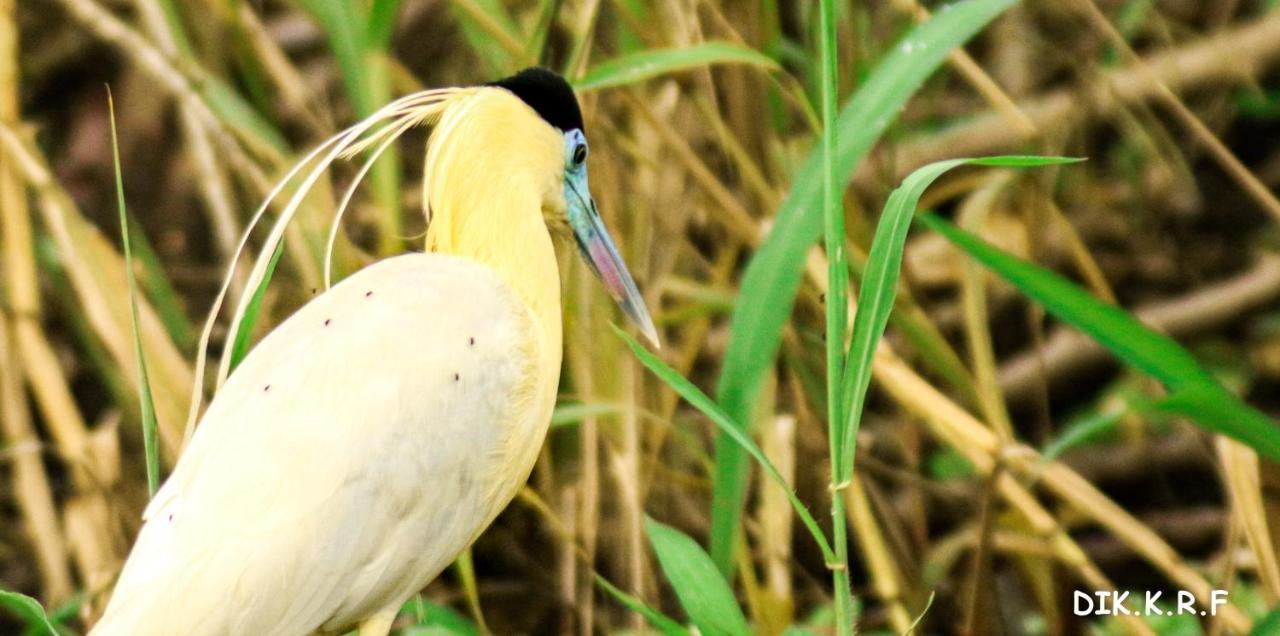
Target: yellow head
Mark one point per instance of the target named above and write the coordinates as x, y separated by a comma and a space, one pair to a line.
506, 167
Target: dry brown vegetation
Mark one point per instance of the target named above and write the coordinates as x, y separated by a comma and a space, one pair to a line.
1176, 103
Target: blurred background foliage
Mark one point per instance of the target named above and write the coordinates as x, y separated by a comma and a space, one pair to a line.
1003, 460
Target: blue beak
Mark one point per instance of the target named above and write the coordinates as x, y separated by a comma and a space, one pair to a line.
602, 255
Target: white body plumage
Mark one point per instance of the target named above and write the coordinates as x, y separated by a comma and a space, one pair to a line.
360, 447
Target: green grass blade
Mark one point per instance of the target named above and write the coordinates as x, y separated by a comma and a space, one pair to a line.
347, 27
837, 309
1268, 624
465, 567
491, 32
224, 100
662, 622
1194, 392
704, 594
879, 286
1082, 430
240, 342
1114, 328
569, 413
1218, 410
164, 298
67, 612
773, 276
642, 65
699, 400
232, 108
382, 22
537, 46
29, 610
146, 403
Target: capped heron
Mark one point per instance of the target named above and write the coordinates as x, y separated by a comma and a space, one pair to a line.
374, 434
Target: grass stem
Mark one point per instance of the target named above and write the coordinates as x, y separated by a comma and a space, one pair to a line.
836, 312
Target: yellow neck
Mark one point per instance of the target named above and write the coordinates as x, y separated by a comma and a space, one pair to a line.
489, 171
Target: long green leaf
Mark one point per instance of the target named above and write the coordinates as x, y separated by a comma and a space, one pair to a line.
1194, 391
147, 404
699, 400
837, 309
1082, 430
382, 21
27, 609
773, 276
232, 108
704, 594
359, 48
1218, 410
879, 285
643, 65
157, 287
659, 620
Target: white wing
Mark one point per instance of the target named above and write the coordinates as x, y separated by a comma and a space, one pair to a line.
345, 462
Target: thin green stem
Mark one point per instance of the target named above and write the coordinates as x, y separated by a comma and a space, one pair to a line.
150, 448
837, 313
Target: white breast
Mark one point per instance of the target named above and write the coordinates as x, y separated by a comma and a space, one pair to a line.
346, 462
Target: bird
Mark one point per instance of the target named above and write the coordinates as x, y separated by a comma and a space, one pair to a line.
373, 435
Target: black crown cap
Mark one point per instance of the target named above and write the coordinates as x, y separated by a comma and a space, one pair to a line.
546, 93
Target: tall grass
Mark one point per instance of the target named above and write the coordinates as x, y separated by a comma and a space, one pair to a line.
773, 275
837, 309
150, 426
725, 144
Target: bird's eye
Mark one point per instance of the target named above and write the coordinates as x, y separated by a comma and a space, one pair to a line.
579, 154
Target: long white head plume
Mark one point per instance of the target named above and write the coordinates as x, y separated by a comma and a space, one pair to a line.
377, 131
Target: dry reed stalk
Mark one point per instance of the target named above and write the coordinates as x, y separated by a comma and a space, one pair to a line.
93, 544
31, 488
630, 471
513, 47
1067, 352
43, 373
739, 220
568, 562
296, 97
1244, 486
972, 438
213, 186
774, 518
960, 430
587, 486
870, 541
181, 81
97, 275
988, 88
628, 474
87, 519
1226, 159
745, 166
1229, 56
1086, 266
972, 216
173, 79
584, 35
